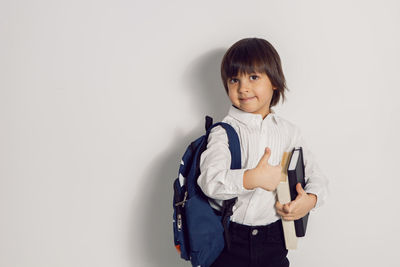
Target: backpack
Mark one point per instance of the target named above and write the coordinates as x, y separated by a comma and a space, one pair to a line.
200, 232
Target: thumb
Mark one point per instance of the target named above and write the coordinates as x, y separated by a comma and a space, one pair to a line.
265, 157
300, 189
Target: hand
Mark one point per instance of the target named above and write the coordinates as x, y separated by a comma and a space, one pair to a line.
297, 208
263, 175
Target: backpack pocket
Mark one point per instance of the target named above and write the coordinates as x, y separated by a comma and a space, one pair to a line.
206, 231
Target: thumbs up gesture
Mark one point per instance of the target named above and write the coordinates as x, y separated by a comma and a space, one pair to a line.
263, 175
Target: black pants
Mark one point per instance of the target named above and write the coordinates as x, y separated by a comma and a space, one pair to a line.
254, 246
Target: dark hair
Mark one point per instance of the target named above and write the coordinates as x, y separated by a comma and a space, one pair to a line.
254, 55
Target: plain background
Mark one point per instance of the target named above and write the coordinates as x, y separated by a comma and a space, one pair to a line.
99, 99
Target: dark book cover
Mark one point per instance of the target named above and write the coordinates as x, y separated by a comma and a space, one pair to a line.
296, 175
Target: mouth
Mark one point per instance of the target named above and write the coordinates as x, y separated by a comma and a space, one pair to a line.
246, 99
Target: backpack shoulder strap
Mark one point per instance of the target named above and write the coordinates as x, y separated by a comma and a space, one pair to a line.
233, 140
236, 163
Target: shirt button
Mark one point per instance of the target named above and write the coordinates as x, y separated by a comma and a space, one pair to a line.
254, 232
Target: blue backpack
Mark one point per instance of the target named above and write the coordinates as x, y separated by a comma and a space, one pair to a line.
200, 232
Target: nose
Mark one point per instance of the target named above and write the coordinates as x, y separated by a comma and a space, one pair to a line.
243, 86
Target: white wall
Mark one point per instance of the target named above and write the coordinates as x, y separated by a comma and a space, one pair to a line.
99, 99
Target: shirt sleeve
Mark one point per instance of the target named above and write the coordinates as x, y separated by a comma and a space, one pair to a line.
217, 180
316, 181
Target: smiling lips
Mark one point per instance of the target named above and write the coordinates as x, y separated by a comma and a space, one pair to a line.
246, 99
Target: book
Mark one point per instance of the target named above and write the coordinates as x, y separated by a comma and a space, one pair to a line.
296, 175
292, 172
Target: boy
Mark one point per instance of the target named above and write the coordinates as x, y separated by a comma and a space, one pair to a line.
253, 79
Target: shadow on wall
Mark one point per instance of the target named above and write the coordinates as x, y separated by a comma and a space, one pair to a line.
202, 78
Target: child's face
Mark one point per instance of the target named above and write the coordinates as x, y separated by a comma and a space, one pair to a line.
251, 92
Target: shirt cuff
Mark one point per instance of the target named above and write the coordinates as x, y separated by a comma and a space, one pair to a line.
237, 181
313, 190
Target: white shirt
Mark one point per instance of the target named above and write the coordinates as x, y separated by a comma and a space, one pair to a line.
219, 182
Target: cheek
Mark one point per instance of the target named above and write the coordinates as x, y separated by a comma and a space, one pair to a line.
264, 92
234, 100
231, 98
232, 95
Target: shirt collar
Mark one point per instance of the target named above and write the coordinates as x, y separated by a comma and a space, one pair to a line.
250, 118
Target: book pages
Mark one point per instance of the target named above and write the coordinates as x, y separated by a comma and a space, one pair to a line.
283, 194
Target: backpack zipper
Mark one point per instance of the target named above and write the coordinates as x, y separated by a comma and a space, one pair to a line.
182, 203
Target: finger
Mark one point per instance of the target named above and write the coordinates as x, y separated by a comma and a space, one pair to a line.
300, 189
279, 206
281, 213
286, 208
265, 157
278, 168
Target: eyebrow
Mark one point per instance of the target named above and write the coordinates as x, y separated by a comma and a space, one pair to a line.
250, 74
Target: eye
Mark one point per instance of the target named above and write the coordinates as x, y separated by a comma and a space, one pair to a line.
254, 77
233, 80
